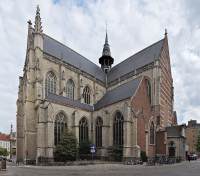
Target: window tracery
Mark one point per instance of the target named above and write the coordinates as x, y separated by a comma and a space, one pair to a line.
70, 89
99, 124
118, 129
152, 133
60, 124
83, 130
50, 84
86, 95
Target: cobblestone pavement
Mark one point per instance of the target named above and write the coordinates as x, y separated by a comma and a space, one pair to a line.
179, 169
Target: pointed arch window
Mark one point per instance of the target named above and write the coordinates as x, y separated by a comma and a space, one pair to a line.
83, 130
148, 84
60, 124
70, 89
86, 95
118, 129
50, 84
99, 124
152, 133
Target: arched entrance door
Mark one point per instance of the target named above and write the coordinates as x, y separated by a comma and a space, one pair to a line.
172, 149
171, 152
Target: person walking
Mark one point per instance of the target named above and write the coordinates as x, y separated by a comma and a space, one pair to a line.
189, 158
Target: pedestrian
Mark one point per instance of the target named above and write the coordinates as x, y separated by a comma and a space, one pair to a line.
189, 158
5, 159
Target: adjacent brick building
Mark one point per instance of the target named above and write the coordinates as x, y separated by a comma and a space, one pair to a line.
191, 133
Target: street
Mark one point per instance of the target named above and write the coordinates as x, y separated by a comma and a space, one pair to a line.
180, 169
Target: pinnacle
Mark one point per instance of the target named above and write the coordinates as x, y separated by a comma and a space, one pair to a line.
38, 26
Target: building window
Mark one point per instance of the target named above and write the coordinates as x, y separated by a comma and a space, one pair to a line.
70, 89
148, 84
199, 132
118, 129
99, 132
50, 84
83, 130
86, 95
0, 144
60, 124
152, 133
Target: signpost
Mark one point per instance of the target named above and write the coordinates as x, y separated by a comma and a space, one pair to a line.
92, 151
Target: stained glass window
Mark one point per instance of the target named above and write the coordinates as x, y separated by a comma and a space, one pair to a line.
70, 89
83, 130
60, 124
50, 84
86, 95
118, 129
99, 124
152, 133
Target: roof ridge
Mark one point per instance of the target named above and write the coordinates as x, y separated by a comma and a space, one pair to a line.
140, 77
71, 49
139, 51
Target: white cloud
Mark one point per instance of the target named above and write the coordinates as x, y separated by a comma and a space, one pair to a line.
132, 26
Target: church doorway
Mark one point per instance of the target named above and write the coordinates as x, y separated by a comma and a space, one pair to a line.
172, 149
171, 152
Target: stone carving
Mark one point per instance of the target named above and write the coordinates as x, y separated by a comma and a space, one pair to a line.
63, 75
37, 65
81, 83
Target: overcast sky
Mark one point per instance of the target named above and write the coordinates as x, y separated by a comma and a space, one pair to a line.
132, 26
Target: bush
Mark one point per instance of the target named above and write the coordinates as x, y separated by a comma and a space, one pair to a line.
67, 147
84, 147
143, 155
115, 150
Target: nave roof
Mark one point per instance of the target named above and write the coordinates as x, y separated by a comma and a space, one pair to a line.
115, 95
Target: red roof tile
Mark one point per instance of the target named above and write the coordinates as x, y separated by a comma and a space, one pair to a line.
4, 137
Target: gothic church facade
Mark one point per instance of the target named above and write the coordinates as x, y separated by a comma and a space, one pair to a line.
60, 89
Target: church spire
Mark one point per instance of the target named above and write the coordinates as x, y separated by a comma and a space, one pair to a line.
106, 60
38, 26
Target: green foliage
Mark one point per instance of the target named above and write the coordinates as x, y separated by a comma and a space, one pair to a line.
197, 144
67, 147
115, 150
143, 155
14, 152
4, 152
84, 147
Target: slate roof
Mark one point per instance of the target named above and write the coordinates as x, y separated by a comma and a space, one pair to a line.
174, 131
68, 101
54, 48
119, 93
138, 60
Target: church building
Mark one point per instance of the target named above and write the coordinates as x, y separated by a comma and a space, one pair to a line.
126, 104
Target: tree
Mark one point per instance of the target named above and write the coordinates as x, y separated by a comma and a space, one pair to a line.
14, 152
197, 144
67, 147
143, 156
115, 151
4, 152
84, 147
